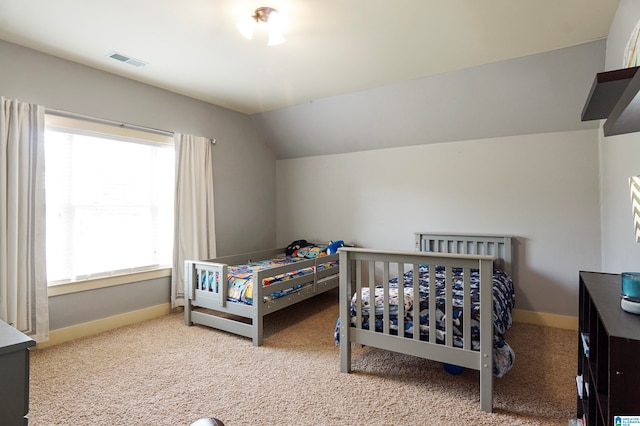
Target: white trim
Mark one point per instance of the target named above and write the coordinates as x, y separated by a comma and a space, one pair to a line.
544, 319
96, 283
105, 324
101, 130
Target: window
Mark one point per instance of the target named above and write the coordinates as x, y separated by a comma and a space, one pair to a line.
109, 200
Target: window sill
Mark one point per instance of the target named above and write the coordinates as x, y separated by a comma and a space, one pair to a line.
96, 283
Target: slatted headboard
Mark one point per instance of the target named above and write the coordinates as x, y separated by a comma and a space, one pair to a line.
498, 246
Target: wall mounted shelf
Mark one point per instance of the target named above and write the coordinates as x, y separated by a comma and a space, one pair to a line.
615, 96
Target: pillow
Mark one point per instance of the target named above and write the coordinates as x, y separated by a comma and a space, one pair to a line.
310, 251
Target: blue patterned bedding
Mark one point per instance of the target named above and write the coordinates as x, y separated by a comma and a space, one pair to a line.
503, 303
240, 277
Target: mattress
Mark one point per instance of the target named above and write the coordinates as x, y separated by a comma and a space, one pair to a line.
240, 277
503, 303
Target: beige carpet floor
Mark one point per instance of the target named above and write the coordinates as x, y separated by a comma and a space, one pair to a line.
161, 372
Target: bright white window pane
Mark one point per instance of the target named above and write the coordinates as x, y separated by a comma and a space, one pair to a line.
109, 205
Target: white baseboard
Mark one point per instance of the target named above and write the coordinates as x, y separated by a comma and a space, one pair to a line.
110, 323
104, 324
547, 320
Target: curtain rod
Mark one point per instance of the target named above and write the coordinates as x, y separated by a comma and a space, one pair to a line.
68, 114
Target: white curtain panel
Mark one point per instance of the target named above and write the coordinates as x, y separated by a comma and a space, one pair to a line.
23, 281
194, 228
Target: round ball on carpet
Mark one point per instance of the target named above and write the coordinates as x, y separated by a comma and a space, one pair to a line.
207, 421
452, 369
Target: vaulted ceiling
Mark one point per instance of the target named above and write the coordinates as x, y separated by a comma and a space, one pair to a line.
332, 47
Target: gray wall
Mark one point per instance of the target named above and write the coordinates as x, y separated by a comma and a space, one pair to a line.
85, 306
533, 94
517, 160
540, 188
244, 173
619, 159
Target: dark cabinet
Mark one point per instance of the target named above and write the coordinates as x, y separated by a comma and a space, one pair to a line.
14, 375
608, 352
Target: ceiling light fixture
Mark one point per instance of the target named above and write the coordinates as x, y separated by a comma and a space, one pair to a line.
270, 17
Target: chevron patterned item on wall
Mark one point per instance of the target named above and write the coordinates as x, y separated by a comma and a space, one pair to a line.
634, 184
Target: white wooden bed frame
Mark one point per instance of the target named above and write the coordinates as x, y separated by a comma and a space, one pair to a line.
449, 250
242, 319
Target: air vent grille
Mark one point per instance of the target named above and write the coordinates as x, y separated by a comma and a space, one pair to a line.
127, 59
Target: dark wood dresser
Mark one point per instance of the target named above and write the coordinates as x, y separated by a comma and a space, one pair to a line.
14, 375
608, 353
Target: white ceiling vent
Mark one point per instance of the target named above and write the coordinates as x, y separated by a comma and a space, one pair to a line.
127, 59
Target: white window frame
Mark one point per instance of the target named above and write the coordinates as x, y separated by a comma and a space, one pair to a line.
121, 132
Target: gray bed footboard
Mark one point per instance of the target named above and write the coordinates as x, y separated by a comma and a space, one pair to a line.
359, 269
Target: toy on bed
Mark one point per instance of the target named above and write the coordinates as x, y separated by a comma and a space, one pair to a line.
236, 292
333, 246
471, 310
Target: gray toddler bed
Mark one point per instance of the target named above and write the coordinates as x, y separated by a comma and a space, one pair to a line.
472, 307
234, 293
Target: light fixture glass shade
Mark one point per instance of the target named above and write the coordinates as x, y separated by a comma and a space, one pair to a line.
247, 27
275, 38
275, 21
276, 26
267, 21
